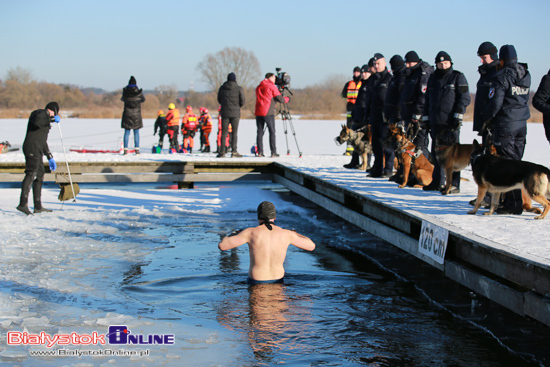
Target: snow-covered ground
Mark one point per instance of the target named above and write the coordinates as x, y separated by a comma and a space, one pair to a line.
69, 253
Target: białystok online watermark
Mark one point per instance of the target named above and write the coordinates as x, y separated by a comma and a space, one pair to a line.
118, 335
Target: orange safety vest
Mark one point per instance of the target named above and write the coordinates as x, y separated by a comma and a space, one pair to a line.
353, 91
173, 117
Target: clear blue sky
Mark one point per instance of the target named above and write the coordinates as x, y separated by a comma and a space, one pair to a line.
101, 43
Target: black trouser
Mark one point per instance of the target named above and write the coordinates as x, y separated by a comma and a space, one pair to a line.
234, 121
34, 176
383, 156
261, 121
509, 140
438, 176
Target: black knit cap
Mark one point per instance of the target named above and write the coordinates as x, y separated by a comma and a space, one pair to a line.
396, 61
365, 68
508, 52
231, 77
357, 68
486, 48
442, 56
132, 81
412, 56
53, 106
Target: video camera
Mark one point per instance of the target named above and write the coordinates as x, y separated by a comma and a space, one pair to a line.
282, 79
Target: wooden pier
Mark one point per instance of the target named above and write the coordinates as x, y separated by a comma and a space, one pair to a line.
521, 285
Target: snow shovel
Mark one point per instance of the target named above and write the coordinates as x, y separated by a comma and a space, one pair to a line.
64, 188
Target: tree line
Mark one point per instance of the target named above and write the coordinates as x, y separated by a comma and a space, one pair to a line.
20, 94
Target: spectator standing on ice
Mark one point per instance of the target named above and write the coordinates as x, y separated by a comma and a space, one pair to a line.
507, 114
161, 126
132, 97
172, 123
446, 100
35, 147
350, 92
266, 96
541, 101
231, 99
189, 126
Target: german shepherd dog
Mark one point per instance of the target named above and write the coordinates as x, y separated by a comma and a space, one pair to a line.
360, 141
451, 156
498, 175
411, 161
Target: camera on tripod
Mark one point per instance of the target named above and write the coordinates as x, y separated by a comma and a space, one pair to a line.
282, 79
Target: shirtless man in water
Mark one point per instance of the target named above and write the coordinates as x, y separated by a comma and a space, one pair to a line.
267, 245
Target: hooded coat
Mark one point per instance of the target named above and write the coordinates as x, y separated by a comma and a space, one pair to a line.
38, 128
231, 99
131, 117
509, 96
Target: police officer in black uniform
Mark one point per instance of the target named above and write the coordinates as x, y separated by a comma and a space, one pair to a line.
413, 98
358, 112
392, 105
380, 81
541, 101
35, 147
446, 100
488, 54
507, 114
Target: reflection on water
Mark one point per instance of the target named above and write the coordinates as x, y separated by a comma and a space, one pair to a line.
334, 308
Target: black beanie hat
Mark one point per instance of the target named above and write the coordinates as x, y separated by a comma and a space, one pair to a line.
487, 48
53, 106
442, 56
508, 52
378, 56
396, 61
132, 81
356, 69
412, 56
365, 68
371, 62
231, 77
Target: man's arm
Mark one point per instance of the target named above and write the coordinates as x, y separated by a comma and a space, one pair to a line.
235, 240
300, 241
542, 96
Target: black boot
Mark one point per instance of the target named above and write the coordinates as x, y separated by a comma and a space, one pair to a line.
37, 197
207, 149
354, 161
25, 190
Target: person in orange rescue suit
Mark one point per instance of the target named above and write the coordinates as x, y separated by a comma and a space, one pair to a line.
188, 129
172, 122
205, 124
350, 92
219, 136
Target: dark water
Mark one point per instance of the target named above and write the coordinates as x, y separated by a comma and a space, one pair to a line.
335, 308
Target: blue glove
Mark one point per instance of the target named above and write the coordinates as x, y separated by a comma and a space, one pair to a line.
53, 165
57, 118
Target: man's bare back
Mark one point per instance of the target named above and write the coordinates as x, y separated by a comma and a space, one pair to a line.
267, 248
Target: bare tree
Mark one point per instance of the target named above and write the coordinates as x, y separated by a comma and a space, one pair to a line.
215, 67
20, 75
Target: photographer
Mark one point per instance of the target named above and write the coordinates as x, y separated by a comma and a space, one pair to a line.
266, 93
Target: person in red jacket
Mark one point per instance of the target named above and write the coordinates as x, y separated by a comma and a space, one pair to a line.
172, 121
266, 92
205, 124
188, 129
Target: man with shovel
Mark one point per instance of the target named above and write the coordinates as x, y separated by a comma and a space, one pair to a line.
35, 147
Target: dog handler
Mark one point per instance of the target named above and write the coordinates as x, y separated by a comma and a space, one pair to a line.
267, 245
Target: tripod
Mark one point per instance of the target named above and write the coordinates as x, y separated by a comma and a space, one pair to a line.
287, 120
